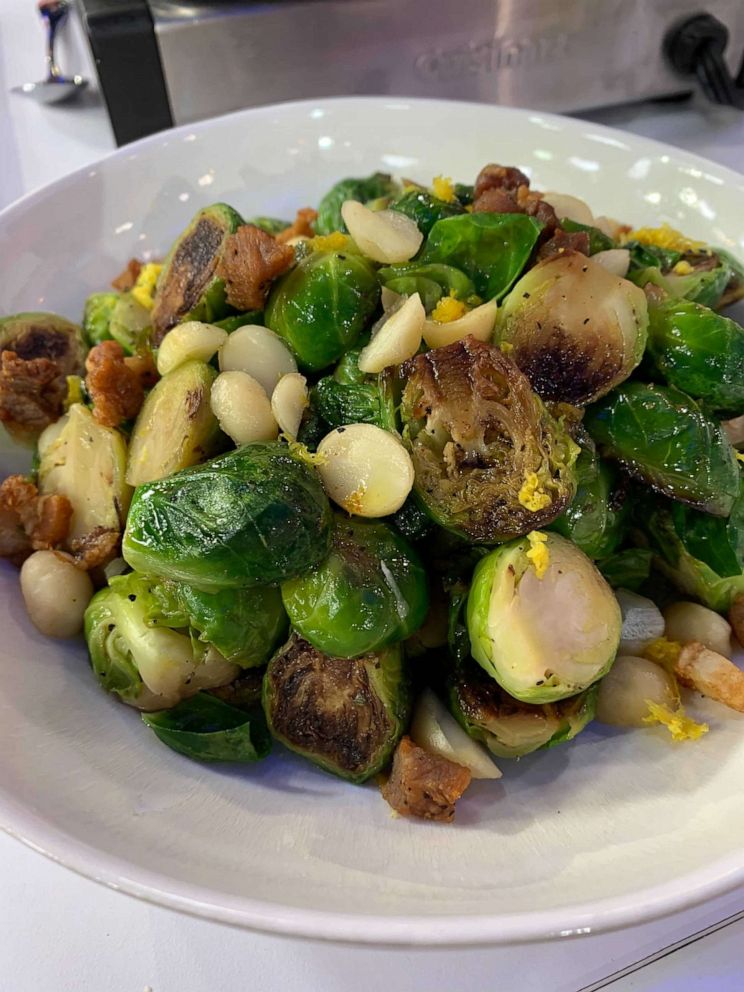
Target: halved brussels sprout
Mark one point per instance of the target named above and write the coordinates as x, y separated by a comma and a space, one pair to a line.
370, 591
322, 306
660, 435
575, 330
188, 287
344, 714
148, 666
372, 187
207, 729
175, 427
544, 627
424, 209
491, 463
97, 317
510, 728
85, 461
252, 517
706, 275
700, 352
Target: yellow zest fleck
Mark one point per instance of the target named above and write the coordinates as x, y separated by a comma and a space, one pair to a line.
331, 242
506, 347
74, 391
683, 268
538, 553
664, 237
302, 453
532, 496
664, 652
443, 188
469, 208
354, 502
739, 455
679, 725
448, 309
144, 288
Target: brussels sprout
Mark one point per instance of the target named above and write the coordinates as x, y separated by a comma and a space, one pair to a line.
322, 306
129, 323
271, 225
85, 461
598, 240
575, 330
490, 461
344, 714
424, 209
431, 281
700, 352
340, 404
660, 435
231, 324
510, 728
254, 516
175, 427
207, 729
596, 519
244, 625
544, 630
628, 569
45, 336
490, 248
370, 591
188, 287
97, 317
146, 665
372, 188
701, 276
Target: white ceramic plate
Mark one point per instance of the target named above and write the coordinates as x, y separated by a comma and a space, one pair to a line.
610, 830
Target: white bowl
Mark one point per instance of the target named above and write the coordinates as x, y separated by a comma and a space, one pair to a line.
610, 830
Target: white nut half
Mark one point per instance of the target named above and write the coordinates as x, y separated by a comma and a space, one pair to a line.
615, 260
569, 207
289, 401
435, 730
479, 323
55, 592
242, 407
688, 622
365, 469
609, 226
259, 352
397, 340
192, 339
382, 235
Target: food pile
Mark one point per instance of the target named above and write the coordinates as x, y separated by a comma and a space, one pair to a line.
424, 477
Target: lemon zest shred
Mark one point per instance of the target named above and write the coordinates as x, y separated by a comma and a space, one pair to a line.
532, 496
449, 308
302, 453
683, 268
538, 552
354, 502
336, 241
679, 725
739, 456
663, 237
664, 652
444, 189
143, 290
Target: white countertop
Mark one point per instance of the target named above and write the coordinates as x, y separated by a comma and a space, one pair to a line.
62, 933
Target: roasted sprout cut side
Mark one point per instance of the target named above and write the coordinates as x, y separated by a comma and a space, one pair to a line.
574, 329
254, 516
510, 728
542, 620
344, 714
490, 461
662, 436
369, 592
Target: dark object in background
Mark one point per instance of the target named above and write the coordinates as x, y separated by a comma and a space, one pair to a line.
697, 47
164, 62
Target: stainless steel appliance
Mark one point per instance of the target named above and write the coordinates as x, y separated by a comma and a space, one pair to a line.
164, 62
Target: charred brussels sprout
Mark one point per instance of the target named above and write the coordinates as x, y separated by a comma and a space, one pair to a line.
322, 306
700, 352
660, 435
255, 516
207, 729
542, 621
146, 664
491, 463
175, 427
575, 330
370, 591
97, 317
371, 188
508, 727
189, 287
424, 209
492, 249
344, 714
244, 625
